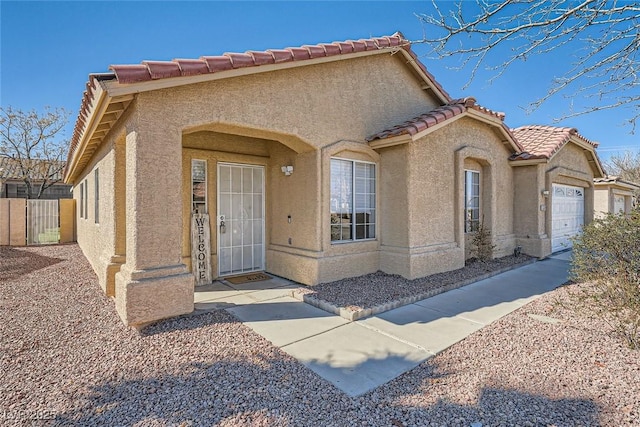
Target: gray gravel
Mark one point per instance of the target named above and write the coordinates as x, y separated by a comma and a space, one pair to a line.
371, 290
66, 357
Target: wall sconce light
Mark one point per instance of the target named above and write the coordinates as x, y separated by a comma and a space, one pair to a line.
545, 193
287, 170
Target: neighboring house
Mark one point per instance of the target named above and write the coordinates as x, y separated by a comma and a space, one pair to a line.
12, 184
315, 163
614, 195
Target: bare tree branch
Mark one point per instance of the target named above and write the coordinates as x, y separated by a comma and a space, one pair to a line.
604, 36
32, 140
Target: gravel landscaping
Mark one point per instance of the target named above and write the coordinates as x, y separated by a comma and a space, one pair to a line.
376, 289
66, 359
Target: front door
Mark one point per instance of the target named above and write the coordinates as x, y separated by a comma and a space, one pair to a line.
240, 218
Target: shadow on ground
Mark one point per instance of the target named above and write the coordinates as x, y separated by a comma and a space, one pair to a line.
261, 386
16, 262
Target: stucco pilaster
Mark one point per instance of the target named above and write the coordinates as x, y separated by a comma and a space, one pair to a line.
153, 283
530, 209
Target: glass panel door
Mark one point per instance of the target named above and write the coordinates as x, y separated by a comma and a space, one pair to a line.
240, 218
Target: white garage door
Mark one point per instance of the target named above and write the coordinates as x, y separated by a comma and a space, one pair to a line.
618, 204
567, 215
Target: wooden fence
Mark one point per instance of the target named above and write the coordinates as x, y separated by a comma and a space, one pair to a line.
30, 222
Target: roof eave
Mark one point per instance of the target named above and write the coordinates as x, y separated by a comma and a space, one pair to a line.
443, 97
95, 113
591, 149
103, 113
618, 183
528, 162
119, 89
502, 128
390, 142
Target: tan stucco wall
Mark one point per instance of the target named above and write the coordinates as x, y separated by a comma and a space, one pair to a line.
286, 118
98, 240
602, 201
5, 225
532, 208
432, 239
318, 104
67, 220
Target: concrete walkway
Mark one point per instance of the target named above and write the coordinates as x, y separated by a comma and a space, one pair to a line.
362, 355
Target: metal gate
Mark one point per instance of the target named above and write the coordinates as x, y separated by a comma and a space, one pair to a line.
43, 226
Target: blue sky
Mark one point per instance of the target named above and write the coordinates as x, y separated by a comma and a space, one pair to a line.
49, 48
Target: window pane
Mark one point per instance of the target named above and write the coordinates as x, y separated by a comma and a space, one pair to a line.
341, 197
472, 201
198, 185
352, 200
198, 170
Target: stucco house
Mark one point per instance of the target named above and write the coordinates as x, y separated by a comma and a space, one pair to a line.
314, 163
614, 195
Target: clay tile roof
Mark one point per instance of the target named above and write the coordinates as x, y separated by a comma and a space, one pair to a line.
542, 142
241, 60
299, 53
163, 69
615, 179
262, 58
281, 55
153, 70
215, 64
345, 47
315, 51
192, 67
131, 73
433, 117
331, 49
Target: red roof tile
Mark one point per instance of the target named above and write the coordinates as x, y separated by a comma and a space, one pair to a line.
192, 67
153, 70
613, 179
433, 117
542, 142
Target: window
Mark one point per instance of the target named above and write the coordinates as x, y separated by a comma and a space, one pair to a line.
471, 201
82, 200
199, 186
353, 200
96, 192
86, 201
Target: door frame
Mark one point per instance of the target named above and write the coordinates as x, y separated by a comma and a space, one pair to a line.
218, 252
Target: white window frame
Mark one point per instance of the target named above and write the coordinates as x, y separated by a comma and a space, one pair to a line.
86, 199
353, 202
468, 223
96, 196
81, 200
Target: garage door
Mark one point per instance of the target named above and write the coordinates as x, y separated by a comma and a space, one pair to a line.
567, 215
618, 204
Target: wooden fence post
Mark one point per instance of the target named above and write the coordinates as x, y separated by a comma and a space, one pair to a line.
67, 220
4, 222
17, 222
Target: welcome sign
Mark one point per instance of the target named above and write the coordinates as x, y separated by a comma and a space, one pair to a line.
201, 248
